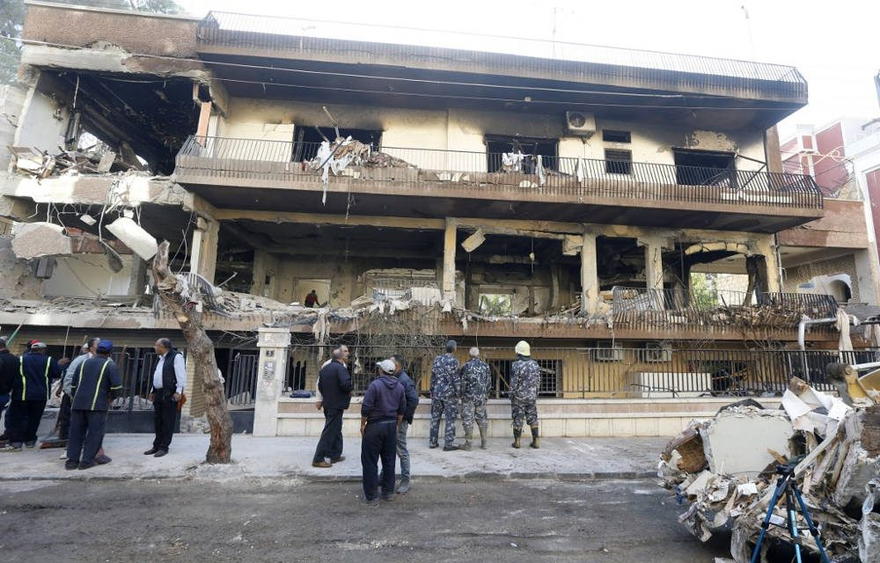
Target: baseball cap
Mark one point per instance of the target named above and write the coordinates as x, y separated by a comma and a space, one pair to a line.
387, 366
105, 346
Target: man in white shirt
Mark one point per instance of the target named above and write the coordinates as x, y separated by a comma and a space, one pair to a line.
169, 381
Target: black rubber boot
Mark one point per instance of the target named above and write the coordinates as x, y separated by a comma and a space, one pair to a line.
484, 437
517, 435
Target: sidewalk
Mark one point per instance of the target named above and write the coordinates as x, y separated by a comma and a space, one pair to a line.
562, 458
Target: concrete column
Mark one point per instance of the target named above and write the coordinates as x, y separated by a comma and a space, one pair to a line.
772, 151
274, 344
203, 252
449, 241
653, 262
589, 275
868, 274
774, 274
195, 394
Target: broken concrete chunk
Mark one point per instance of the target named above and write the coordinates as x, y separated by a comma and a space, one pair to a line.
35, 240
738, 441
135, 237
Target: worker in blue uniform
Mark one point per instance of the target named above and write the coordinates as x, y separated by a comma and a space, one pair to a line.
94, 385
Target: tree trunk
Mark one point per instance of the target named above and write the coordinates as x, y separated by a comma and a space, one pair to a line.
201, 351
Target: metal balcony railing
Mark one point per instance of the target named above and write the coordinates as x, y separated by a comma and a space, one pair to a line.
485, 173
275, 33
666, 308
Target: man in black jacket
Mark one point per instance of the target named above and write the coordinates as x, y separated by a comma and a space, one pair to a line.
334, 382
382, 410
94, 385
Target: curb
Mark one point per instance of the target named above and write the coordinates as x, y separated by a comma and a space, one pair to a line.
311, 478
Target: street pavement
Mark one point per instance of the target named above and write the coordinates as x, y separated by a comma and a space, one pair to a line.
293, 519
283, 457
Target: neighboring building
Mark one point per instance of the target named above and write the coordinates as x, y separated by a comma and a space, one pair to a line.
837, 254
480, 195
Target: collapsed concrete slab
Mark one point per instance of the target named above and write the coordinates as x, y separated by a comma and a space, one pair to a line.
742, 441
35, 240
135, 237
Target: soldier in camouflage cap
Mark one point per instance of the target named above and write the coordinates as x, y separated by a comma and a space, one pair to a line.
525, 375
445, 393
475, 380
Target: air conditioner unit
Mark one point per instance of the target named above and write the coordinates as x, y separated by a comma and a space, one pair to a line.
580, 123
613, 354
655, 352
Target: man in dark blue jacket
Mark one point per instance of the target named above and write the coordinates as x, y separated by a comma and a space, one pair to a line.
94, 386
30, 391
412, 403
334, 382
8, 371
383, 408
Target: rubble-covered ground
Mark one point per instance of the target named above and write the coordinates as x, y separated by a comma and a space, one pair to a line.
724, 469
528, 521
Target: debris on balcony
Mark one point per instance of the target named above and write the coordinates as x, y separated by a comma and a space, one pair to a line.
337, 156
724, 469
93, 160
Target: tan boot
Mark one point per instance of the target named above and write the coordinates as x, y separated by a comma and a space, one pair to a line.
468, 436
517, 434
536, 439
484, 437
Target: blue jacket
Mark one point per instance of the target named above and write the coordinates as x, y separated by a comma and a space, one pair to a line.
35, 374
334, 383
94, 384
412, 396
385, 399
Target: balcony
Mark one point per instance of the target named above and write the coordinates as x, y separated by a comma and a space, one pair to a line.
283, 175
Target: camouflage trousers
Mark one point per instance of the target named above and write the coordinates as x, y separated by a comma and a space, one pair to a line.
447, 408
473, 410
523, 409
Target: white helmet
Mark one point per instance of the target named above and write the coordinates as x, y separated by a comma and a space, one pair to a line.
522, 348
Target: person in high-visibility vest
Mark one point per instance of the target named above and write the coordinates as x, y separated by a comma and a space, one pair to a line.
30, 391
94, 385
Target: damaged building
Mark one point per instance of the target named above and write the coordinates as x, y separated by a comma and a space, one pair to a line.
621, 210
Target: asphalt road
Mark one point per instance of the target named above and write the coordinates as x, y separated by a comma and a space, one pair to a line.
608, 521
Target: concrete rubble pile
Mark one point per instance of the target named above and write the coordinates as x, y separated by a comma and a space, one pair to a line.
723, 468
97, 159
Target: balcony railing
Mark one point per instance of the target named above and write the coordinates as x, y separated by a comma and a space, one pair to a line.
641, 308
314, 35
477, 173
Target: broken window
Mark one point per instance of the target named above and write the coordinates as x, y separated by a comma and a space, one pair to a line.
612, 136
704, 168
496, 304
531, 148
307, 139
618, 161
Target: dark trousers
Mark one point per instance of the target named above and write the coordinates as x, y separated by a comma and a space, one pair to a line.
4, 402
379, 442
86, 435
330, 443
164, 419
24, 418
62, 425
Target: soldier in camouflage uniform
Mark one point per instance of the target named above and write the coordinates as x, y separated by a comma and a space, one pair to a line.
475, 380
445, 393
525, 375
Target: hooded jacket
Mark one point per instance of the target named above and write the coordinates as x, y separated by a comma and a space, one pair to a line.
384, 400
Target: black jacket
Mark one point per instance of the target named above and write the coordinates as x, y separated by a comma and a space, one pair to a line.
385, 399
334, 382
8, 371
94, 384
412, 396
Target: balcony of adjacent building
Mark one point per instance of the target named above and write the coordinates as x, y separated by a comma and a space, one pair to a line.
337, 177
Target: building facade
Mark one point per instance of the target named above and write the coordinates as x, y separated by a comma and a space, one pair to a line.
586, 203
